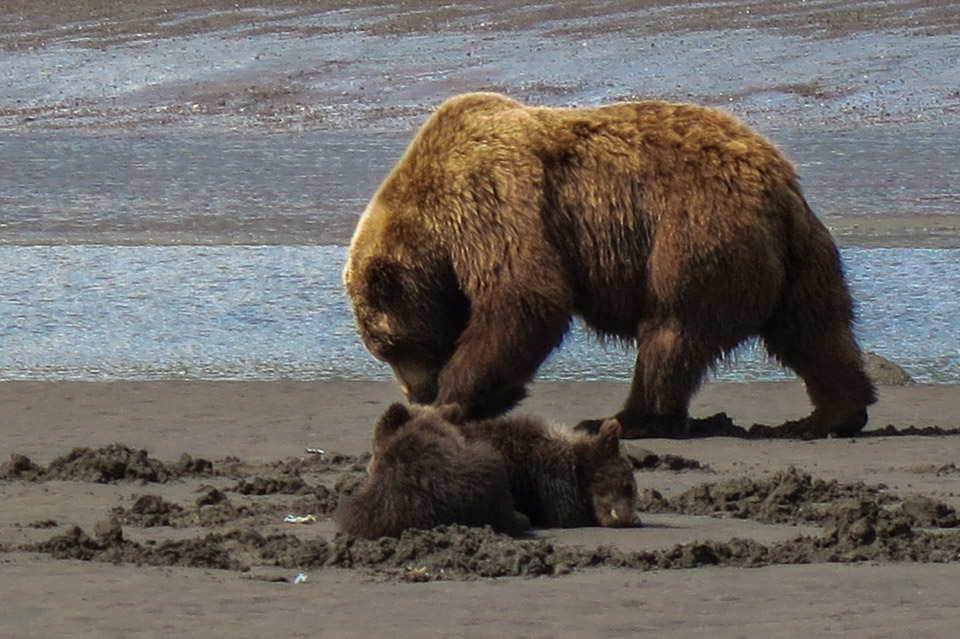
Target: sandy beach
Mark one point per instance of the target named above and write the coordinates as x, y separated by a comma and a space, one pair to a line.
258, 433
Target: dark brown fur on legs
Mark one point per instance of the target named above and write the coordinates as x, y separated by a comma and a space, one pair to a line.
671, 225
424, 473
563, 479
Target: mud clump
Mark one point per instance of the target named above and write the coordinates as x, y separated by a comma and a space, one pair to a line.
235, 550
794, 497
237, 526
452, 551
323, 463
112, 463
786, 497
149, 511
721, 425
926, 431
313, 464
861, 523
117, 462
283, 484
927, 512
644, 459
104, 465
936, 469
20, 467
214, 507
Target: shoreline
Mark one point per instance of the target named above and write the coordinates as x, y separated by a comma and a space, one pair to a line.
922, 230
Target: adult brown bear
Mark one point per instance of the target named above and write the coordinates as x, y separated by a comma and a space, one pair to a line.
670, 225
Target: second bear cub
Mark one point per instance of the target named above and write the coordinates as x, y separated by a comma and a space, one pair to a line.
425, 473
561, 478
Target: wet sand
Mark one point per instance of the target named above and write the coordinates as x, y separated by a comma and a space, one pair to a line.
195, 573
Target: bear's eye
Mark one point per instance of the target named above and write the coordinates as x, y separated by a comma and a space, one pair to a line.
377, 346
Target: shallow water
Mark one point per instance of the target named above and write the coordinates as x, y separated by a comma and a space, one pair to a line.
309, 188
270, 312
75, 188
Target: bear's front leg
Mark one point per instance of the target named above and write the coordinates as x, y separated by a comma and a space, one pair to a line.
498, 353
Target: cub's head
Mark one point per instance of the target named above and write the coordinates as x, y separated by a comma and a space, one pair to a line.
424, 420
607, 476
409, 316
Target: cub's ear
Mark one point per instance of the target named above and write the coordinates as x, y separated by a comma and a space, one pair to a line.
452, 413
608, 438
384, 279
395, 417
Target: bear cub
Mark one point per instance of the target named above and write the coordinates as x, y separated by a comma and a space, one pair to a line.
561, 478
425, 473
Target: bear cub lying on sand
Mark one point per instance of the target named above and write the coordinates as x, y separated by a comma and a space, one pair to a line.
426, 471
561, 478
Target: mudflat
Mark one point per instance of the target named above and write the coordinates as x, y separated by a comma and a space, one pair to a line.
159, 507
849, 89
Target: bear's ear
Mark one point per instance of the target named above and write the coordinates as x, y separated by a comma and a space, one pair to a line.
608, 439
452, 413
384, 280
395, 417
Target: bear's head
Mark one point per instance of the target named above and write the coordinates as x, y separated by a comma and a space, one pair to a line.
409, 317
607, 476
426, 421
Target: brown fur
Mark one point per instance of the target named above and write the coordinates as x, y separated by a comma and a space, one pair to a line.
670, 225
560, 478
423, 474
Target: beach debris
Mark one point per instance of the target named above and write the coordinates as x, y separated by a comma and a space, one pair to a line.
417, 575
300, 578
300, 519
315, 451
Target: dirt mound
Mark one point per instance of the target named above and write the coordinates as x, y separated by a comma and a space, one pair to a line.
788, 496
117, 462
107, 464
214, 507
859, 523
644, 459
232, 551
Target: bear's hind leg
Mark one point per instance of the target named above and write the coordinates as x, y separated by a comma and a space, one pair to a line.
828, 360
671, 363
